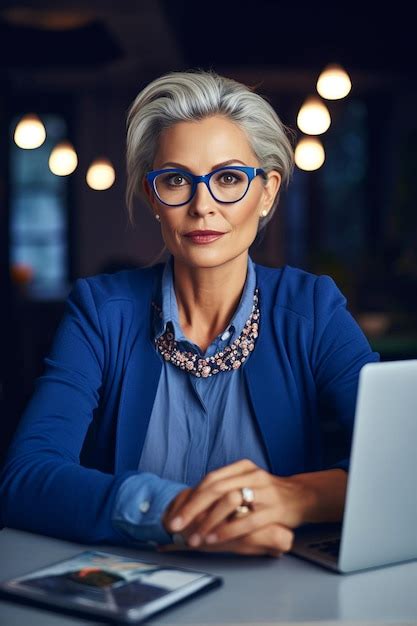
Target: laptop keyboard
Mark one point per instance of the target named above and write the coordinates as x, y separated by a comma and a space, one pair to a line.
331, 546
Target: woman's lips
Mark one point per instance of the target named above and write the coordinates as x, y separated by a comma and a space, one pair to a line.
202, 239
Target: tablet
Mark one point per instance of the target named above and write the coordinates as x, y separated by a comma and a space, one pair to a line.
107, 586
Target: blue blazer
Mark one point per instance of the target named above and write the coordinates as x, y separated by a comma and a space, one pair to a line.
83, 430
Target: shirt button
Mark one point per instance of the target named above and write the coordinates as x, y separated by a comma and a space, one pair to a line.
226, 335
144, 506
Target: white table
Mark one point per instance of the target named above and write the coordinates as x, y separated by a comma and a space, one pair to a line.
256, 590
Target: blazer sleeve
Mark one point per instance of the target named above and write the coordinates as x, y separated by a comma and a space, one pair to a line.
339, 351
43, 487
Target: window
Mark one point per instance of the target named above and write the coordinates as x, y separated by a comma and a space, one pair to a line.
38, 212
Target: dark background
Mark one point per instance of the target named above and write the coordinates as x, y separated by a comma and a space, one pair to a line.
355, 218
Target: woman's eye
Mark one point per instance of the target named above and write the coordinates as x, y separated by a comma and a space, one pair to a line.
176, 180
229, 178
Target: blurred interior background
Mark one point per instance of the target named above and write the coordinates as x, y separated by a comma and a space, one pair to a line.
76, 66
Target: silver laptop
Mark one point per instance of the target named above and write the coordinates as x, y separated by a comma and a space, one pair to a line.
380, 518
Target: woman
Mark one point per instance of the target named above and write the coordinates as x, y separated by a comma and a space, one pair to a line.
180, 403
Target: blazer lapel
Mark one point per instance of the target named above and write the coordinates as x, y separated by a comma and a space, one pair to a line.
138, 390
269, 379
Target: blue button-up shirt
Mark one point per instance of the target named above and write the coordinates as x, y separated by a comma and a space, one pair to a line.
197, 424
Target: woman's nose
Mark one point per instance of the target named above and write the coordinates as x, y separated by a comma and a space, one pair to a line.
202, 201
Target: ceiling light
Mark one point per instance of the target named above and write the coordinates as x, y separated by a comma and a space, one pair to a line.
313, 117
334, 82
30, 132
100, 174
63, 159
309, 154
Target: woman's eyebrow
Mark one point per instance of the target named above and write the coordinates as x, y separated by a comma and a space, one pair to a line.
229, 162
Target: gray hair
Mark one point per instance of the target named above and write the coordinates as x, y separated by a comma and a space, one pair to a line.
193, 95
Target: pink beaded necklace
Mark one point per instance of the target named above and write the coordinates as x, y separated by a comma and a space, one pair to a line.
230, 358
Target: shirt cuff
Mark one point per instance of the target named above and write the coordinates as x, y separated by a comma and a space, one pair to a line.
140, 504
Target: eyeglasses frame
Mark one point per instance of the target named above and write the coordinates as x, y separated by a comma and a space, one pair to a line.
251, 173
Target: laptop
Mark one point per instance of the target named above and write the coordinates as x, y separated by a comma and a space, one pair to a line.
379, 524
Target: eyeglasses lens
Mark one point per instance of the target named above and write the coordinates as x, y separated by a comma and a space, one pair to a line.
226, 186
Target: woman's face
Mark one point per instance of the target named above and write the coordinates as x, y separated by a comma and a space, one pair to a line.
200, 147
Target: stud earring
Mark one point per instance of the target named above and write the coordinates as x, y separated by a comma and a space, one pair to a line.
157, 217
264, 213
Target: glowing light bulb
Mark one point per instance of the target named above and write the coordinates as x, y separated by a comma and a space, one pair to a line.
30, 133
313, 118
309, 154
334, 82
63, 159
100, 175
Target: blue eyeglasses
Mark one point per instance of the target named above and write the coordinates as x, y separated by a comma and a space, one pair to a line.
176, 187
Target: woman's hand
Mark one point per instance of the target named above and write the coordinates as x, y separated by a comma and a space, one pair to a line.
272, 540
204, 515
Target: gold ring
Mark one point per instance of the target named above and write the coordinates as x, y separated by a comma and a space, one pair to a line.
242, 510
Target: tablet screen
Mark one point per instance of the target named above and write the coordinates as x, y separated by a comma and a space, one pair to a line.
110, 585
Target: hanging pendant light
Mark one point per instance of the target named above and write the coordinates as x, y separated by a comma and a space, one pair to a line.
309, 154
63, 159
100, 174
334, 82
313, 117
29, 133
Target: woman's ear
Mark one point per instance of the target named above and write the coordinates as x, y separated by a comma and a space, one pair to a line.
271, 189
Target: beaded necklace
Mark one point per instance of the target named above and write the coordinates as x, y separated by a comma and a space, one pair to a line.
230, 358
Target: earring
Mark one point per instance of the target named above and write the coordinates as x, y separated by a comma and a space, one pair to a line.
157, 217
264, 213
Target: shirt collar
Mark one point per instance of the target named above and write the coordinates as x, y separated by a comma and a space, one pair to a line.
169, 308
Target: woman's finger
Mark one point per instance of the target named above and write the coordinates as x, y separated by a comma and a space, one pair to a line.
278, 500
233, 528
216, 514
228, 471
271, 536
220, 514
205, 495
174, 506
210, 478
272, 540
